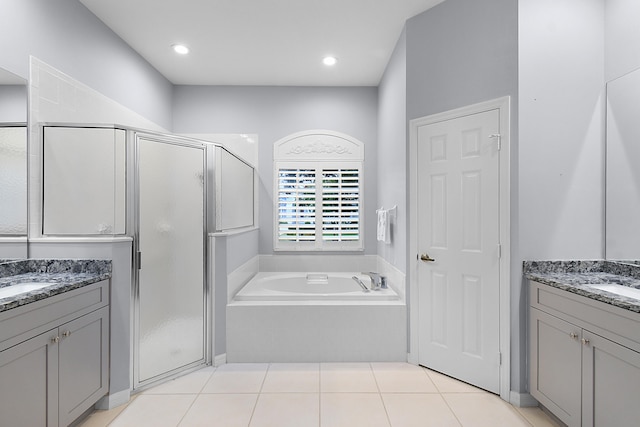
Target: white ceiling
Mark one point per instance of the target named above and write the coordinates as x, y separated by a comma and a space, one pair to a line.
263, 42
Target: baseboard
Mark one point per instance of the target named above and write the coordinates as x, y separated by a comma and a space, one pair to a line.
114, 400
220, 359
523, 400
412, 358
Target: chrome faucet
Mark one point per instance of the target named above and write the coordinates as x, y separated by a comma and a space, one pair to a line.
378, 281
359, 282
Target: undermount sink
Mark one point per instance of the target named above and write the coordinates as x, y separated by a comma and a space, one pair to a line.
625, 291
21, 288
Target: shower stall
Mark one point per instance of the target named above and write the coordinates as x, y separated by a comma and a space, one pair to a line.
166, 193
170, 292
183, 190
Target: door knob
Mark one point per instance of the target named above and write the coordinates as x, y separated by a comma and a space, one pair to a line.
426, 258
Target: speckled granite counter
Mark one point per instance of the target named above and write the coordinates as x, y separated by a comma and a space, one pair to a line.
64, 274
578, 276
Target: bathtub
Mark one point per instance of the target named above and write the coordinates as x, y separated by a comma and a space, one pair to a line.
315, 317
311, 287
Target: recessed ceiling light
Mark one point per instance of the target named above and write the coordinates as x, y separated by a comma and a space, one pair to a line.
329, 61
180, 48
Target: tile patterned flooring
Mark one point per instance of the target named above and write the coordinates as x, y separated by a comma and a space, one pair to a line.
318, 395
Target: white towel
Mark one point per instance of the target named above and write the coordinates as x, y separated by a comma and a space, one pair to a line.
384, 230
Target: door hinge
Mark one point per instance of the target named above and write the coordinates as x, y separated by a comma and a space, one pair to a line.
499, 137
499, 359
499, 251
139, 259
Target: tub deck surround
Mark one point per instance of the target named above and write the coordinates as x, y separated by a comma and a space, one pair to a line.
293, 286
579, 277
64, 274
288, 317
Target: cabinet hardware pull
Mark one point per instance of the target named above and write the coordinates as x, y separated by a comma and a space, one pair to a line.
66, 334
573, 335
55, 340
585, 341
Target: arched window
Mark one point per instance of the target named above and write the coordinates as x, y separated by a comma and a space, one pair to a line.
318, 190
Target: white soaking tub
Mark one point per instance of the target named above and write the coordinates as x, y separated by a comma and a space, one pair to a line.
315, 317
311, 287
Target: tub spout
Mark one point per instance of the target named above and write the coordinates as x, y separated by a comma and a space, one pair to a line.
359, 282
378, 281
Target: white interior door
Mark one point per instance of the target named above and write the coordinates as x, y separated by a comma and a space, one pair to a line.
170, 316
459, 235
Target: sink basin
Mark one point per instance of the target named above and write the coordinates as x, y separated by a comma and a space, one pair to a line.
624, 291
22, 288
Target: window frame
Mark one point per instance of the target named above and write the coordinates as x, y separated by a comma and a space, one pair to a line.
318, 151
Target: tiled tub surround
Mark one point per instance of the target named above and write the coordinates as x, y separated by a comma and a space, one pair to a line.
64, 274
276, 326
578, 277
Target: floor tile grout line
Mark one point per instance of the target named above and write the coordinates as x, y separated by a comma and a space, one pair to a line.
451, 409
521, 415
375, 378
319, 394
207, 381
384, 405
188, 409
442, 394
255, 405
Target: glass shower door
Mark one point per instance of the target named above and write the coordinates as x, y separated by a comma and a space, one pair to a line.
171, 308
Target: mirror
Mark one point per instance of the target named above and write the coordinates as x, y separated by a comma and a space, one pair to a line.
622, 168
13, 166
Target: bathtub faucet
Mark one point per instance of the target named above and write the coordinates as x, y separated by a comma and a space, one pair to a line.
378, 281
359, 282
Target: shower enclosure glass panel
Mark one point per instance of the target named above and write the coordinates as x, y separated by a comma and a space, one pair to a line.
171, 280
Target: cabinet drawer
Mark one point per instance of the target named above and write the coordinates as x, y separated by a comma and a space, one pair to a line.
602, 318
21, 323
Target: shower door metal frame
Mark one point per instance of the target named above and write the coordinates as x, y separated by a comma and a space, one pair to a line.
138, 385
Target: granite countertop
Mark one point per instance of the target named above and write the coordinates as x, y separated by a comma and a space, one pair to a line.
64, 274
577, 276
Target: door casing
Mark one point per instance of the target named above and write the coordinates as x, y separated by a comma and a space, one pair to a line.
503, 105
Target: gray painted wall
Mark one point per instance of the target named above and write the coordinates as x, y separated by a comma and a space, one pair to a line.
275, 112
241, 248
622, 37
13, 103
67, 36
392, 153
459, 53
561, 89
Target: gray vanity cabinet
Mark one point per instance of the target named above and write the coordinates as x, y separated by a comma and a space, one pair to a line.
54, 357
29, 382
610, 383
82, 364
584, 358
556, 354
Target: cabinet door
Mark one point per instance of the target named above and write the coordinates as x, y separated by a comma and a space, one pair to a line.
611, 383
29, 383
83, 364
555, 365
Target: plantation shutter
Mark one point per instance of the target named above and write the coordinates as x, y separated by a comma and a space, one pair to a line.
340, 205
297, 205
319, 207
